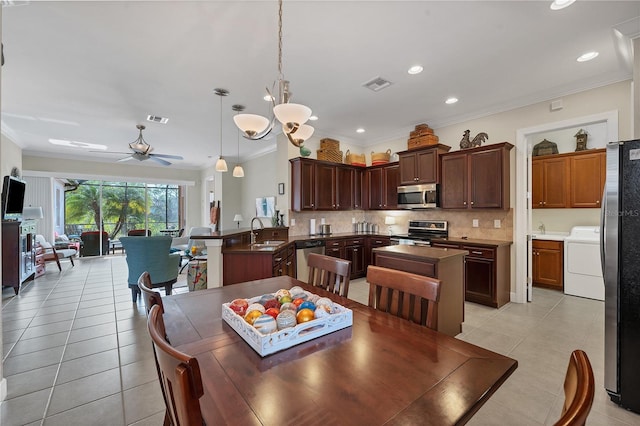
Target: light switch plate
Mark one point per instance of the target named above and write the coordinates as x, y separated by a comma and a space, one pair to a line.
497, 223
475, 223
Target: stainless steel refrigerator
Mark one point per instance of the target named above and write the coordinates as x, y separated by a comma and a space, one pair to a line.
621, 270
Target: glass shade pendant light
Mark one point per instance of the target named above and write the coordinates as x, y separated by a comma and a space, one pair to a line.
221, 164
291, 116
238, 171
140, 146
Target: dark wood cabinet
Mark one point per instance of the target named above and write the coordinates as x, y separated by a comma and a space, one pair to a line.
382, 186
248, 266
487, 267
548, 263
18, 253
588, 174
421, 165
354, 250
372, 242
476, 178
321, 185
549, 183
334, 248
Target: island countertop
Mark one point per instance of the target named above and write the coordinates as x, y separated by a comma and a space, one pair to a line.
430, 254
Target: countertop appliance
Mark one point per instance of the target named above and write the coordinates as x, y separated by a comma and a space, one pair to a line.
424, 196
421, 232
620, 247
582, 266
303, 248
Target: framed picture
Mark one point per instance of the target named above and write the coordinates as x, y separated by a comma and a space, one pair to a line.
281, 188
265, 206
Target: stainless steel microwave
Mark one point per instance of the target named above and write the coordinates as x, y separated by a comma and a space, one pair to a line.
418, 196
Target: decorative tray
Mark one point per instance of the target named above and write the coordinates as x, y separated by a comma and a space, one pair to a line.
266, 344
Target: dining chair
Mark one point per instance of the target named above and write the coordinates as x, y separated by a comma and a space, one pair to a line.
179, 376
149, 296
405, 295
329, 273
579, 390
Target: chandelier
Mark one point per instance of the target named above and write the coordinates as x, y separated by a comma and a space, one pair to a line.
291, 116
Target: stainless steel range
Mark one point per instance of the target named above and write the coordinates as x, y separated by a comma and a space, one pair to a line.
421, 232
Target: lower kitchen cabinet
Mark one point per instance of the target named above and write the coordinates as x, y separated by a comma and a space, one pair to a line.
334, 248
240, 266
487, 270
548, 263
354, 250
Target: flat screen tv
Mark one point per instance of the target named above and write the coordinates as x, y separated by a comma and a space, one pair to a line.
12, 198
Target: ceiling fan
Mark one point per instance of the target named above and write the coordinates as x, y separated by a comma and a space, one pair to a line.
142, 151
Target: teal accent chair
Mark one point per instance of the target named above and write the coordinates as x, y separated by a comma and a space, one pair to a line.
151, 254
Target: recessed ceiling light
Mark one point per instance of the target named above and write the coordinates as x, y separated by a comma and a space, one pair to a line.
268, 98
313, 118
76, 144
451, 100
587, 56
561, 4
360, 130
416, 69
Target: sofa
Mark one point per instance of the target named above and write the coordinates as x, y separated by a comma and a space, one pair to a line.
151, 254
91, 243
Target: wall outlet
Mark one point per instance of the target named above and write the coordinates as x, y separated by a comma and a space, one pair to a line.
322, 221
497, 223
475, 223
292, 222
353, 220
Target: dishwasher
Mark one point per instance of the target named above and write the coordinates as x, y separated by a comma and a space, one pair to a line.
303, 248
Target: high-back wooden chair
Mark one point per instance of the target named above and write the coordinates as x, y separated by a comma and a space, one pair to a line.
179, 376
579, 389
403, 294
149, 296
329, 273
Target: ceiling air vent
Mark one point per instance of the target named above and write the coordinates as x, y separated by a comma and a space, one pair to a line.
157, 119
377, 84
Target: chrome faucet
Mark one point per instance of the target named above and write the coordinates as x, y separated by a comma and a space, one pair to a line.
541, 228
253, 234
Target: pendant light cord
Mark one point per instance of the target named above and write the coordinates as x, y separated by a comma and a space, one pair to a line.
281, 76
220, 126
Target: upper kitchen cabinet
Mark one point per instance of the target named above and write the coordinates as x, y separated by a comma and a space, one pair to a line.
574, 179
321, 185
421, 165
588, 174
549, 177
476, 178
382, 186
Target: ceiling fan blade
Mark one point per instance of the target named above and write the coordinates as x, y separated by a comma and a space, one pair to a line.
175, 157
160, 160
112, 152
124, 159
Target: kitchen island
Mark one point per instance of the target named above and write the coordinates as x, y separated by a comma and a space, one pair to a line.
447, 265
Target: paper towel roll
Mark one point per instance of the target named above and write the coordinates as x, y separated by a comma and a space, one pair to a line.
312, 227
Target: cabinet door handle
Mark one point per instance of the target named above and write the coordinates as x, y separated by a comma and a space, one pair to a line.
597, 201
288, 263
472, 203
544, 203
476, 252
355, 249
277, 259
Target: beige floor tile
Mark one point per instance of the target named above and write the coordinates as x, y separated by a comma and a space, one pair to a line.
105, 411
82, 391
91, 346
87, 365
142, 401
24, 409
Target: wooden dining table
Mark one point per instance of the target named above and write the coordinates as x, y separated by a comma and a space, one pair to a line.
381, 370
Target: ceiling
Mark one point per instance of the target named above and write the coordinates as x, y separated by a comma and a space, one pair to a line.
90, 71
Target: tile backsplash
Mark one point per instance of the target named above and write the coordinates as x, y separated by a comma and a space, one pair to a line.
460, 222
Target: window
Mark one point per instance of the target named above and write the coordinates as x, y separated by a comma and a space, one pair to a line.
118, 207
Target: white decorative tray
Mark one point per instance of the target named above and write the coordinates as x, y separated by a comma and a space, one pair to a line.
266, 344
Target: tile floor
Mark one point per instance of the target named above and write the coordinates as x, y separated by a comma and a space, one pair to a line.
76, 352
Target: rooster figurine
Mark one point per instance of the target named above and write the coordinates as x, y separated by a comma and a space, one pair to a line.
477, 141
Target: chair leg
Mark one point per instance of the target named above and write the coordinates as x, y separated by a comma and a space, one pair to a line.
167, 419
58, 262
167, 289
71, 259
134, 293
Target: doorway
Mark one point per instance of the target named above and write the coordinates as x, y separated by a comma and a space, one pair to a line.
522, 207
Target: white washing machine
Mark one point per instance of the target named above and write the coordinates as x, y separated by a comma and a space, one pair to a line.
582, 267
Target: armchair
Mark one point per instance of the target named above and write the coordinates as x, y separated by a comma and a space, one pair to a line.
151, 254
91, 243
50, 254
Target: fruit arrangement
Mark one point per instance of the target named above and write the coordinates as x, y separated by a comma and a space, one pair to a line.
283, 309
